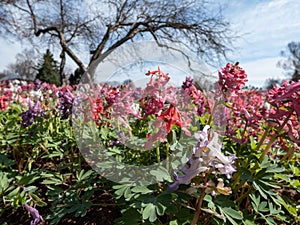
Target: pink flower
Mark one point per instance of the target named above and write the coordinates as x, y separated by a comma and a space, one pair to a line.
232, 78
285, 99
4, 102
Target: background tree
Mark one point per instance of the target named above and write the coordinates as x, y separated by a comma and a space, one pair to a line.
269, 83
75, 77
48, 70
88, 31
292, 64
24, 66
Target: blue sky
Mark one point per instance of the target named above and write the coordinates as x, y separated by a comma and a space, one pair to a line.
265, 26
268, 26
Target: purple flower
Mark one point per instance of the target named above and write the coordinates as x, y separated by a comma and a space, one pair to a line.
37, 84
187, 83
34, 213
190, 170
226, 169
31, 114
66, 100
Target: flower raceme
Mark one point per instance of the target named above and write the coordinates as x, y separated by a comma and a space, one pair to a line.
285, 102
29, 116
232, 78
171, 117
285, 98
206, 155
4, 102
164, 125
66, 100
96, 108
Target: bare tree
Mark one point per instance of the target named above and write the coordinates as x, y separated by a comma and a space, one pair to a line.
292, 64
24, 66
88, 31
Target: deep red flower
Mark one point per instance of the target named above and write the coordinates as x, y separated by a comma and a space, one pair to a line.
95, 109
4, 102
171, 116
159, 73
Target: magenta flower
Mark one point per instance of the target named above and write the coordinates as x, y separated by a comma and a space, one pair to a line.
232, 78
285, 97
34, 213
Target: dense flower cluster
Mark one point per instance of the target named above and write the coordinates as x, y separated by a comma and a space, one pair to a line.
66, 99
232, 78
285, 102
165, 122
250, 109
196, 96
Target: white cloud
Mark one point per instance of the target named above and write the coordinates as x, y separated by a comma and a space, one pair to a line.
268, 26
259, 71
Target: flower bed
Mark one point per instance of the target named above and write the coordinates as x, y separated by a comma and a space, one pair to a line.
155, 155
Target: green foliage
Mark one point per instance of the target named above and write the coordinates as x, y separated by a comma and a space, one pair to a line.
42, 162
75, 77
48, 70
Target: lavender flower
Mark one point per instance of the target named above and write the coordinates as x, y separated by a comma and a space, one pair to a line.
35, 214
206, 155
190, 170
31, 114
65, 103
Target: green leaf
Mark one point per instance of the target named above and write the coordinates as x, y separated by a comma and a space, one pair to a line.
246, 175
4, 182
52, 181
160, 209
6, 161
25, 180
161, 174
257, 187
252, 143
130, 217
149, 212
141, 189
224, 201
249, 222
232, 213
38, 201
173, 222
262, 207
255, 202
270, 221
13, 193
120, 190
83, 176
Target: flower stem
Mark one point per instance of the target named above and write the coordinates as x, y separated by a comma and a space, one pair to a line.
199, 202
158, 154
261, 141
264, 153
167, 156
